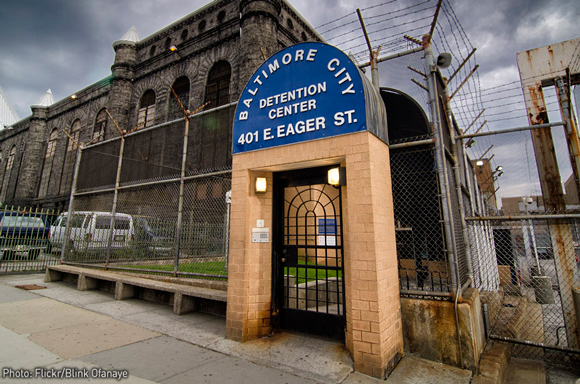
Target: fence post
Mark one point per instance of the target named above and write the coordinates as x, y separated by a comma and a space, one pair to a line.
443, 179
455, 143
181, 188
115, 197
71, 203
227, 229
570, 128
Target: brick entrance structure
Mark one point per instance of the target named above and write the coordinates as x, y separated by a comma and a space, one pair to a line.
373, 316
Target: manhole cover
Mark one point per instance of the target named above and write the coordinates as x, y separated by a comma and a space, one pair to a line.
30, 287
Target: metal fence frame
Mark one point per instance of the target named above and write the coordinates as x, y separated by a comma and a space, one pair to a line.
20, 260
184, 180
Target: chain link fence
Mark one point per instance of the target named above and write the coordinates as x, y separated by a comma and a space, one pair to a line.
423, 264
526, 280
145, 236
174, 223
524, 255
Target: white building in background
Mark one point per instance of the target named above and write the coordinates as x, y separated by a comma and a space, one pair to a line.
8, 115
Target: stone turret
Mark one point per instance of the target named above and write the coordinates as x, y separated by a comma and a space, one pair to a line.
259, 31
123, 75
33, 153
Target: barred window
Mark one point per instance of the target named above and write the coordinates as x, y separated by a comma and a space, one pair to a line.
75, 134
181, 88
50, 149
146, 116
100, 126
217, 91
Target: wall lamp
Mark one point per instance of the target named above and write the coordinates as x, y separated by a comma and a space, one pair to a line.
337, 176
261, 185
173, 49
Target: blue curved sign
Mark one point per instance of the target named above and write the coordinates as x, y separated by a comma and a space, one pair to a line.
305, 92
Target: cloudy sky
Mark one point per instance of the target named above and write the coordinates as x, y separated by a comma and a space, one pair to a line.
65, 45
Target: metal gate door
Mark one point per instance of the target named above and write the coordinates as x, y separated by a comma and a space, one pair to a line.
309, 272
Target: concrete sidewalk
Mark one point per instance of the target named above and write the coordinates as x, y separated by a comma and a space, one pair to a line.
61, 331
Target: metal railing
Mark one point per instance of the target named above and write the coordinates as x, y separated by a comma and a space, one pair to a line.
24, 240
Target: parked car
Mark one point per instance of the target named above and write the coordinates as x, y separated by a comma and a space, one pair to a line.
153, 236
91, 231
22, 234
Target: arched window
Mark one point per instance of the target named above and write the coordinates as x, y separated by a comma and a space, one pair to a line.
75, 133
100, 126
181, 88
217, 91
146, 115
50, 149
11, 156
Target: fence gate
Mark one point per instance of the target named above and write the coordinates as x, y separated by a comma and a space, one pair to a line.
308, 257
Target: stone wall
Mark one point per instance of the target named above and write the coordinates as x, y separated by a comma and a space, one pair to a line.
213, 33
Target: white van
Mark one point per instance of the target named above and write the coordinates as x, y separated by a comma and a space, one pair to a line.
91, 231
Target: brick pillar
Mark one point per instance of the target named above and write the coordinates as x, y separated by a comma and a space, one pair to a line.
373, 308
250, 265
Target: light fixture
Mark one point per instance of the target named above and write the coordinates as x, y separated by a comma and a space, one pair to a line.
173, 48
337, 176
73, 96
470, 143
479, 163
261, 185
499, 168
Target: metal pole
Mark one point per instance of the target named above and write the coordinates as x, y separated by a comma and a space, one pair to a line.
459, 192
510, 130
373, 54
115, 197
412, 144
181, 188
431, 70
227, 229
71, 204
571, 132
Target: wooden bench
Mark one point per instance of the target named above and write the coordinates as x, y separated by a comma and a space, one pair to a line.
184, 298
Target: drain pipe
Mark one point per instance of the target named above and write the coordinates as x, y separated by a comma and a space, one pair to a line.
485, 320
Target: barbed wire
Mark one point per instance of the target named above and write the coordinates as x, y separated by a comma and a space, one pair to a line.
484, 109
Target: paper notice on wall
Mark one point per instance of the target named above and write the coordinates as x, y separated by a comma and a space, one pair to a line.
329, 241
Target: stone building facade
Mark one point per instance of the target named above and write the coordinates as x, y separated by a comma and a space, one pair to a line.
215, 51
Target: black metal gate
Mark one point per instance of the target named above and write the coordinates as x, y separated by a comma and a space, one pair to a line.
308, 254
